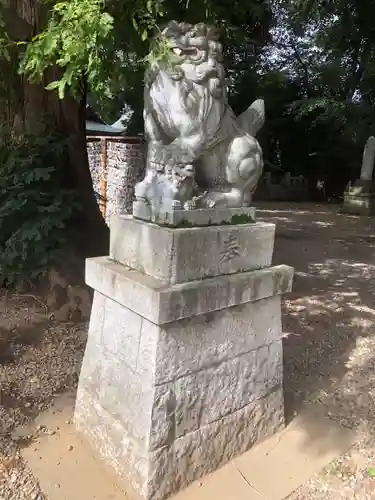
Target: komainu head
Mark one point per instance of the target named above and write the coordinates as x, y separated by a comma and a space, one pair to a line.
193, 43
195, 58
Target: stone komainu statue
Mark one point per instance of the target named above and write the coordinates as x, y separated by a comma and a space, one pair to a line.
192, 131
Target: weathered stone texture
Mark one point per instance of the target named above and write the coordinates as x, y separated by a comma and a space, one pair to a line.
122, 333
159, 473
162, 304
196, 217
221, 336
174, 388
180, 377
186, 254
125, 166
205, 450
359, 198
108, 437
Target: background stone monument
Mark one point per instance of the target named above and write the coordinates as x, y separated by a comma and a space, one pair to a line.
183, 366
359, 198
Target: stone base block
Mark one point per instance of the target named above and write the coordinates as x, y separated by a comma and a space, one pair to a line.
189, 457
176, 255
178, 379
162, 303
359, 198
183, 365
196, 217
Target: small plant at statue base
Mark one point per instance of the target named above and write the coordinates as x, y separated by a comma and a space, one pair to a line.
34, 207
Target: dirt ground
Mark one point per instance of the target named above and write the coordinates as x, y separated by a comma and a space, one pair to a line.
329, 333
329, 347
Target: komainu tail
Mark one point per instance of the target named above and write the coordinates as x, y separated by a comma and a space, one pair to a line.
252, 120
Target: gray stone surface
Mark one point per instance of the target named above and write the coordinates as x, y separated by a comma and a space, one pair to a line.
213, 445
252, 326
359, 198
111, 441
368, 160
209, 395
176, 255
161, 304
195, 379
197, 217
155, 475
180, 377
199, 153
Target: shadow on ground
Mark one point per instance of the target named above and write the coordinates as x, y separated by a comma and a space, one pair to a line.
329, 318
328, 322
39, 359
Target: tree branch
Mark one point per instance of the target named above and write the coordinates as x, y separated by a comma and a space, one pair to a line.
304, 66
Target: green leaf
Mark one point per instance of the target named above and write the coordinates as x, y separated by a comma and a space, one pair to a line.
61, 88
53, 85
371, 472
34, 210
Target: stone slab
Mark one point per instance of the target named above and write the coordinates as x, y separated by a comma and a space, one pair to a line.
359, 198
174, 409
196, 217
292, 455
192, 345
359, 205
185, 374
219, 391
65, 474
302, 449
168, 469
215, 378
177, 255
360, 187
161, 304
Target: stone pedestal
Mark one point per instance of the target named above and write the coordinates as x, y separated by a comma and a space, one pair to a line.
359, 198
183, 365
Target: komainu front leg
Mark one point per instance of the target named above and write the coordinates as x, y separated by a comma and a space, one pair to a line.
233, 198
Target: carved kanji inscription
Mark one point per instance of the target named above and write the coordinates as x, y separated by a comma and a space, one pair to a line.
230, 249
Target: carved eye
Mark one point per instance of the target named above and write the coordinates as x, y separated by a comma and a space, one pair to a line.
193, 34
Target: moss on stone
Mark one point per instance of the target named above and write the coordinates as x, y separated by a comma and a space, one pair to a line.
238, 219
241, 219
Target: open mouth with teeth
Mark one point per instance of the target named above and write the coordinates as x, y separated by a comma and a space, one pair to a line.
186, 51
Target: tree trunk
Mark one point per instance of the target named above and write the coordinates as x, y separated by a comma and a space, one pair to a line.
37, 110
